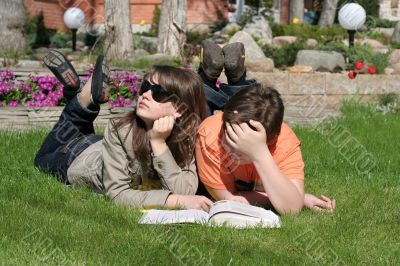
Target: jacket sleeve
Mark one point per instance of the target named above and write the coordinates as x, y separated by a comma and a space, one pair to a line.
116, 178
183, 181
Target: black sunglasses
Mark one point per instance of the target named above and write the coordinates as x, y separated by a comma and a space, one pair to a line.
158, 93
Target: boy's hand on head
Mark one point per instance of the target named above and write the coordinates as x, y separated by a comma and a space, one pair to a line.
162, 128
243, 139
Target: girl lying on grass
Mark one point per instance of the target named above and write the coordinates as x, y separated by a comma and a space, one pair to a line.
145, 159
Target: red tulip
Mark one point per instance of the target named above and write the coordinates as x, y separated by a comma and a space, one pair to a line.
352, 74
372, 70
358, 65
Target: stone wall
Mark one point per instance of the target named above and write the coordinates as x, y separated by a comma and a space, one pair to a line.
329, 88
308, 97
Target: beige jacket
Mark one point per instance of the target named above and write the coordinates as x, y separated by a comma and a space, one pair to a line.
109, 166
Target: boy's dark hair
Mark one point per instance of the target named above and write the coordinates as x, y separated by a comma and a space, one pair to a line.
259, 103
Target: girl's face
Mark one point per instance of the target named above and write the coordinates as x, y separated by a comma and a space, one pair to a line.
149, 110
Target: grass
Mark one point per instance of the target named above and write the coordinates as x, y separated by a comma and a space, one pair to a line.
43, 222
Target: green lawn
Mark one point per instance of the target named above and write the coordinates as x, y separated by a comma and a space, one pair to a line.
43, 222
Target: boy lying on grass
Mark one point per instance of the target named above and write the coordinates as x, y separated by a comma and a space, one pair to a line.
248, 154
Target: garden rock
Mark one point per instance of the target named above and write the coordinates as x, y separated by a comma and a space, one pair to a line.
376, 45
387, 33
149, 44
388, 71
311, 42
394, 57
300, 69
229, 28
159, 59
396, 33
259, 65
253, 51
280, 41
396, 68
259, 28
321, 60
29, 64
139, 53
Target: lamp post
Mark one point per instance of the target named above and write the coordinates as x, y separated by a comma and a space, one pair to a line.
74, 19
352, 17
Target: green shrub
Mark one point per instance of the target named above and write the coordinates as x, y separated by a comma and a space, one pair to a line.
378, 36
376, 22
332, 46
156, 21
365, 53
195, 38
395, 45
306, 31
60, 39
285, 56
37, 35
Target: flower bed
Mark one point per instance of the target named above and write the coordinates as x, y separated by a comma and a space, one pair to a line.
47, 91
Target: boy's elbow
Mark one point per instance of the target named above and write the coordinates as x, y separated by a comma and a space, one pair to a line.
294, 209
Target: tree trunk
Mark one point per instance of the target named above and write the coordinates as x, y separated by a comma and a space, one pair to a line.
172, 27
118, 43
296, 10
328, 13
12, 19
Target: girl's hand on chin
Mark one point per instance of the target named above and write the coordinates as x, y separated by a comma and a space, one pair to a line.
162, 128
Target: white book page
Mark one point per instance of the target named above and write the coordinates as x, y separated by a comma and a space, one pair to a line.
174, 217
235, 207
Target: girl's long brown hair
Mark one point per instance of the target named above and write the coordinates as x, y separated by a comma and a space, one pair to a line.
188, 97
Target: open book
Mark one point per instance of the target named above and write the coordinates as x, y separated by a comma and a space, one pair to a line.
224, 212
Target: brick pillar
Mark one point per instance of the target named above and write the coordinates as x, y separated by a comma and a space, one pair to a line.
284, 11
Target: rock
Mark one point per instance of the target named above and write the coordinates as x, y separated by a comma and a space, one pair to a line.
321, 60
394, 57
230, 28
280, 41
259, 28
159, 59
376, 45
139, 53
253, 51
312, 42
41, 50
396, 68
300, 69
387, 33
149, 44
396, 33
388, 71
218, 39
259, 65
29, 64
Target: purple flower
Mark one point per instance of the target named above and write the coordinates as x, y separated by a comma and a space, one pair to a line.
13, 103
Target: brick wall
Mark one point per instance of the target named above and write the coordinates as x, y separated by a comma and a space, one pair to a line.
198, 11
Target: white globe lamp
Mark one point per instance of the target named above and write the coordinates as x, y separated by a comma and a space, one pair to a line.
74, 18
352, 17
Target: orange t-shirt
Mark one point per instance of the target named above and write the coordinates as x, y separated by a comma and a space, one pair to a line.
218, 170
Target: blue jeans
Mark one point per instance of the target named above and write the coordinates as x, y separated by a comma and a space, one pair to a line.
216, 100
70, 136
